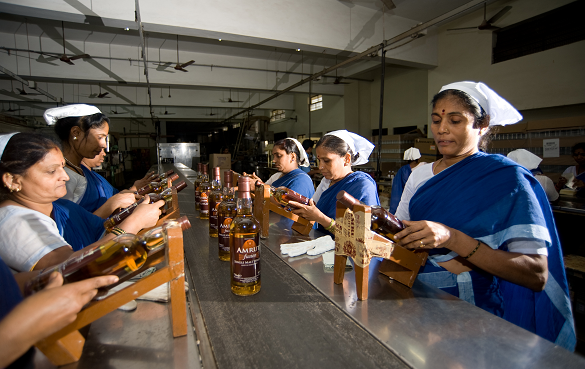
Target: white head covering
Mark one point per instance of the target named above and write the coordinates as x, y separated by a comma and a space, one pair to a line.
74, 110
525, 158
4, 141
304, 159
500, 111
412, 154
357, 144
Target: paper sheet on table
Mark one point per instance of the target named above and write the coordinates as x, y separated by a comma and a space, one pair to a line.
312, 247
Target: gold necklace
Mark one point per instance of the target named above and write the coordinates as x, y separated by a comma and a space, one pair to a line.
78, 169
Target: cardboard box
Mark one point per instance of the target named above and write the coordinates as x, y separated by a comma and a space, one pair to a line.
223, 161
428, 149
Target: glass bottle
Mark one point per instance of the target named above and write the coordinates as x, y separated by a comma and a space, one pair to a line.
383, 222
245, 245
160, 177
226, 212
198, 178
199, 181
283, 195
117, 218
157, 187
215, 197
204, 189
157, 237
120, 256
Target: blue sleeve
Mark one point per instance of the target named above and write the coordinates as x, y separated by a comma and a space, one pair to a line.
80, 227
304, 186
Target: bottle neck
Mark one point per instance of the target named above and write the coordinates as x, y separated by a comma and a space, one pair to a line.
244, 205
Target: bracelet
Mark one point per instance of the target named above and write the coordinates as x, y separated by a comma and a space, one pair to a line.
331, 227
117, 231
474, 250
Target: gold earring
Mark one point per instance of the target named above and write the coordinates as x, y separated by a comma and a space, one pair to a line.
18, 189
75, 138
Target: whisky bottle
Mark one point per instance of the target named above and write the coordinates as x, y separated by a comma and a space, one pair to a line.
204, 189
117, 218
157, 187
226, 212
284, 195
215, 197
157, 237
245, 245
383, 222
160, 177
119, 256
198, 182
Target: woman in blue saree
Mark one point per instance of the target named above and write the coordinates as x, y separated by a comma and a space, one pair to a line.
337, 151
287, 156
486, 220
38, 228
82, 130
412, 155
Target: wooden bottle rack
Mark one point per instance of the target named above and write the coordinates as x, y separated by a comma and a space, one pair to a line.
263, 204
353, 237
65, 346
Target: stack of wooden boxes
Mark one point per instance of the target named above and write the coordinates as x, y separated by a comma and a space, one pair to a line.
393, 147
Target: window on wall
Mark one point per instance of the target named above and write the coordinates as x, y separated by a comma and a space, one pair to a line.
277, 115
316, 103
300, 137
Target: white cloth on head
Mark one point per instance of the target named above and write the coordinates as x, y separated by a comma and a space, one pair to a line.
357, 144
525, 158
303, 160
4, 141
74, 110
76, 186
412, 154
27, 235
501, 112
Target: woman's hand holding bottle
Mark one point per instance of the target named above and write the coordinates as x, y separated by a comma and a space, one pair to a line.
146, 215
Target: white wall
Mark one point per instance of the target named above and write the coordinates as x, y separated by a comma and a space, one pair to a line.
550, 78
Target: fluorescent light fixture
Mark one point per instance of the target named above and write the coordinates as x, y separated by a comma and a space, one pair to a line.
127, 29
225, 129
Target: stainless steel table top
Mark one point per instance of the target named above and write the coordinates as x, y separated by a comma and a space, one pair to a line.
424, 326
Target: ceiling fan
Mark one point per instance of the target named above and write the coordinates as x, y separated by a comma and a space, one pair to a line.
230, 99
211, 114
486, 24
10, 109
64, 57
338, 79
117, 112
180, 66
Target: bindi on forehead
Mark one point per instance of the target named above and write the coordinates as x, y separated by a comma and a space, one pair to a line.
443, 112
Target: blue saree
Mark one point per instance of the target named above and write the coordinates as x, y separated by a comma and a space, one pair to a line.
77, 226
516, 209
358, 184
298, 181
98, 190
398, 186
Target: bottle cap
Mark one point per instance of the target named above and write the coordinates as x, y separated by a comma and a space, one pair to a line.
174, 177
179, 186
184, 222
244, 187
199, 165
346, 199
168, 173
217, 173
227, 178
204, 168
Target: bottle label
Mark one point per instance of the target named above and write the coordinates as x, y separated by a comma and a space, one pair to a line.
197, 194
245, 257
213, 219
224, 233
204, 202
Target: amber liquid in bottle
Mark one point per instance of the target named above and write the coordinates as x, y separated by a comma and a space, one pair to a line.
196, 184
383, 222
284, 195
204, 178
215, 197
157, 187
157, 237
204, 189
245, 245
226, 212
120, 256
117, 218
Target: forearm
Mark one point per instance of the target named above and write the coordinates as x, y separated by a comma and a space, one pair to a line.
18, 332
105, 210
530, 271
